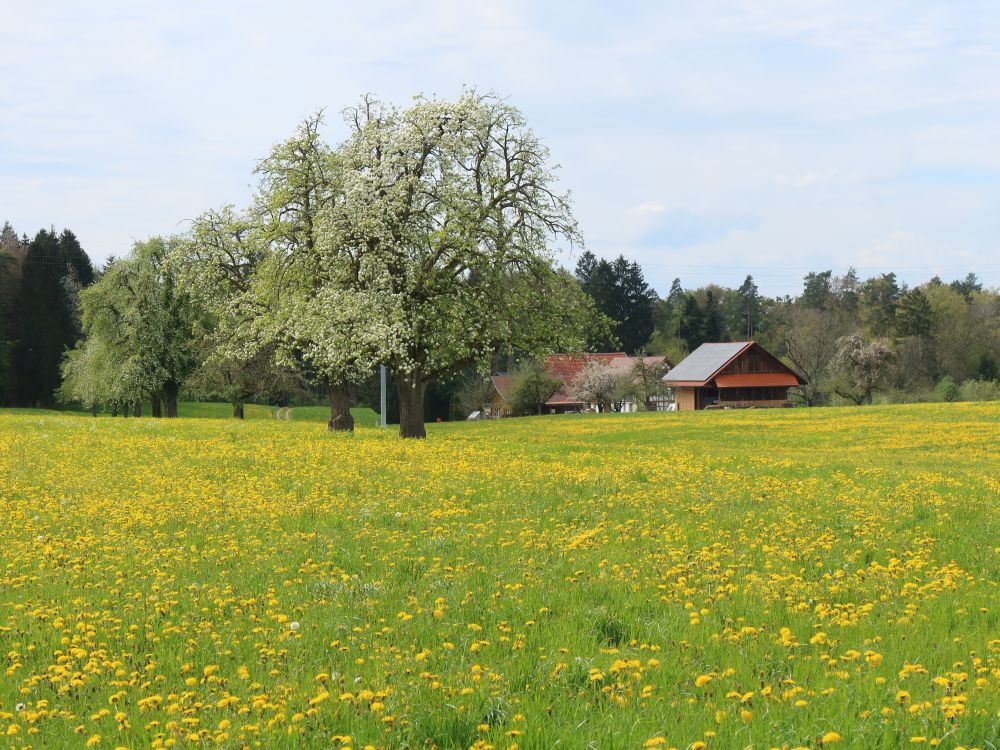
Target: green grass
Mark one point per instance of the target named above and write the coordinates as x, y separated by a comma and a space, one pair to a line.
599, 581
364, 416
189, 409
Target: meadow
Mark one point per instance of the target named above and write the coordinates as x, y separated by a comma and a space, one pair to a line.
792, 578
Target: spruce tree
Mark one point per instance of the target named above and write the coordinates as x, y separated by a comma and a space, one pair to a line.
620, 291
914, 315
749, 307
713, 330
691, 326
45, 320
11, 257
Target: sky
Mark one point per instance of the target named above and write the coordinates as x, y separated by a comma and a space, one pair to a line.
706, 141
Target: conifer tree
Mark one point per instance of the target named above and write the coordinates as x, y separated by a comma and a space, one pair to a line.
45, 316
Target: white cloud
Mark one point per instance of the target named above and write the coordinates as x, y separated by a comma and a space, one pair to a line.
768, 136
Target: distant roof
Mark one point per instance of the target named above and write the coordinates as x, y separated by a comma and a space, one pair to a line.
504, 383
627, 363
701, 364
567, 366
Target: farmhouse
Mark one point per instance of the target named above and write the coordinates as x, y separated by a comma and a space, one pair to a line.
566, 368
627, 366
734, 375
501, 403
561, 367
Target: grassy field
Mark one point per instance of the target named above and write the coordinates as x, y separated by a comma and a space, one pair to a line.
365, 417
794, 578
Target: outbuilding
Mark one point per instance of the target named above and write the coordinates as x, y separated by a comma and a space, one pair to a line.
737, 374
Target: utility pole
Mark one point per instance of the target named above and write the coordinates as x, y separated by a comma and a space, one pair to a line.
382, 405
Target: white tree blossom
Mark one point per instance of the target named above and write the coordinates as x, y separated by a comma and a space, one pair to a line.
601, 384
448, 214
864, 365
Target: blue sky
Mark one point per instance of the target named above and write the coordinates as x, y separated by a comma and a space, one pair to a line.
705, 140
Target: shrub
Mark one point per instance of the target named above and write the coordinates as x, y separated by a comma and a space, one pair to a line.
980, 390
947, 390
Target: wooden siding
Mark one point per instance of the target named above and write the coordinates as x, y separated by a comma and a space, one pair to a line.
754, 360
499, 406
685, 399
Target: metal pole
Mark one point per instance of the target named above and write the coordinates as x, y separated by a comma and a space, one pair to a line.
382, 377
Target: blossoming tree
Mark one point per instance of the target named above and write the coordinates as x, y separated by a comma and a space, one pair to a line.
448, 217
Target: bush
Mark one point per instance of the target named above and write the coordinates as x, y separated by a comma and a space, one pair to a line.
980, 390
534, 387
947, 390
899, 396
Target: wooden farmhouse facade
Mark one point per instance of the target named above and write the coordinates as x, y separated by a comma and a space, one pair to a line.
563, 368
502, 401
737, 374
566, 368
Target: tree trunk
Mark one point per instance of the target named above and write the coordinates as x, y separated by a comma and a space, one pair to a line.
155, 406
238, 410
126, 407
137, 409
93, 410
114, 408
411, 390
340, 408
170, 389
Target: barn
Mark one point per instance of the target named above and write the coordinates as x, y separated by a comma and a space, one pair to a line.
736, 374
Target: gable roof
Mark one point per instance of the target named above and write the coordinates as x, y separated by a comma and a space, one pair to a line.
706, 363
700, 365
566, 367
504, 384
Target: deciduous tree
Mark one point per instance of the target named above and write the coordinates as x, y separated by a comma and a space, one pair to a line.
601, 384
448, 216
533, 386
863, 366
138, 321
810, 342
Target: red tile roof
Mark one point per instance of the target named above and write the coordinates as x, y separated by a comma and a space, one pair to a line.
566, 368
627, 363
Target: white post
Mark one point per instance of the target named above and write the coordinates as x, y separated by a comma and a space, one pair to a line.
383, 416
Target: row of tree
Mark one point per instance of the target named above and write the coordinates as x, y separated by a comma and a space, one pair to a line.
146, 338
919, 335
423, 241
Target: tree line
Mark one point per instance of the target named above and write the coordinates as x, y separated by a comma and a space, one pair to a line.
426, 240
848, 336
